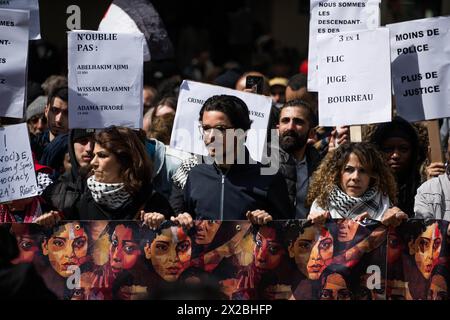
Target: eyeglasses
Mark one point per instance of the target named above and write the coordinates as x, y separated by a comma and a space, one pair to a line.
205, 130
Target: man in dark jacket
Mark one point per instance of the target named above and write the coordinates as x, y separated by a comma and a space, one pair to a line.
298, 159
65, 191
57, 119
233, 186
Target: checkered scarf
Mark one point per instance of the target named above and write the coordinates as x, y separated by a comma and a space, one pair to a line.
348, 206
111, 195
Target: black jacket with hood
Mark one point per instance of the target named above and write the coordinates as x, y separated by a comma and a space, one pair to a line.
68, 188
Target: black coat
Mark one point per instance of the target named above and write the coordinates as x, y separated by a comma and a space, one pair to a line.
148, 200
22, 282
211, 194
68, 188
288, 169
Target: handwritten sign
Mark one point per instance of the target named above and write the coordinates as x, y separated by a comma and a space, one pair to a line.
354, 78
420, 56
28, 5
17, 176
333, 16
13, 61
105, 79
186, 134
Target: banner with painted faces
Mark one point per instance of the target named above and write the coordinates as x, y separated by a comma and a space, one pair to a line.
418, 261
341, 260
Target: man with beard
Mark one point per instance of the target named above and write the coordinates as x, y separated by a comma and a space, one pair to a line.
298, 159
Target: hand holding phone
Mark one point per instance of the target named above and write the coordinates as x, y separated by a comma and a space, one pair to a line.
255, 84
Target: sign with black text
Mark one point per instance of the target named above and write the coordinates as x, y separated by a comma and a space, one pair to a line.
17, 176
420, 57
105, 79
13, 61
186, 135
29, 5
334, 16
354, 78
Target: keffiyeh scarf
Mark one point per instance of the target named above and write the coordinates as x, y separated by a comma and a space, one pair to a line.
111, 195
346, 206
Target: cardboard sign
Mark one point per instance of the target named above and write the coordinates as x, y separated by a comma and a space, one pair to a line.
17, 176
354, 78
105, 79
186, 135
333, 16
420, 56
13, 61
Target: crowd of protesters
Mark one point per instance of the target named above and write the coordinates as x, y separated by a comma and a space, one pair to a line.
119, 173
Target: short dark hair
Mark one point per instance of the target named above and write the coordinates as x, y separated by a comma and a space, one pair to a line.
235, 109
312, 117
58, 92
298, 81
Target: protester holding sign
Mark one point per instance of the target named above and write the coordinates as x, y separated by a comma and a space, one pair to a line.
232, 187
354, 182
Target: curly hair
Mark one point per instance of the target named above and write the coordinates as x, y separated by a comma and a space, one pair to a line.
129, 148
328, 175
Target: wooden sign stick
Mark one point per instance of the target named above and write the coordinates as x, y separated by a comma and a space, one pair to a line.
434, 139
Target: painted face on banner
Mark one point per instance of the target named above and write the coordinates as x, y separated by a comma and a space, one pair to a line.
395, 247
347, 229
277, 292
124, 250
312, 251
66, 248
133, 292
88, 291
438, 288
268, 249
397, 290
371, 294
206, 231
335, 288
27, 243
170, 253
426, 249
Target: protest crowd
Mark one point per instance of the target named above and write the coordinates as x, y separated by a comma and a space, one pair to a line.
319, 173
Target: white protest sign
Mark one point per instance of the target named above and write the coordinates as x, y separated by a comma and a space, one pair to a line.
29, 5
13, 61
333, 16
354, 78
420, 56
105, 79
17, 176
186, 135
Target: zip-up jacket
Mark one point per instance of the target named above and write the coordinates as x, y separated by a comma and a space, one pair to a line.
213, 194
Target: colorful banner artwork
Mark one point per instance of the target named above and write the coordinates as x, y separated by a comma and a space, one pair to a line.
343, 259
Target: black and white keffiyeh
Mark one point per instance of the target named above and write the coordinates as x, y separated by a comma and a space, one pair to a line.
180, 176
111, 195
372, 201
43, 181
